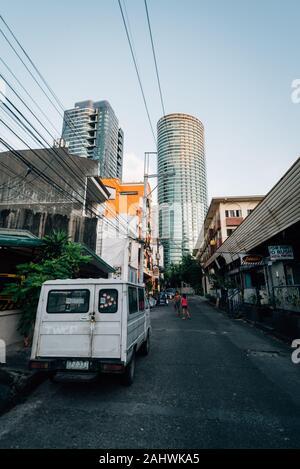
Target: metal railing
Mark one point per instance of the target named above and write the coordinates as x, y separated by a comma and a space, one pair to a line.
234, 302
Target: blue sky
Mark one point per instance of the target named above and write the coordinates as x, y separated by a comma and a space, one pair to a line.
228, 62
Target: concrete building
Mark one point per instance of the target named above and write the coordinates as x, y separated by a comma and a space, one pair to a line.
122, 228
91, 130
182, 197
46, 189
258, 266
224, 215
42, 190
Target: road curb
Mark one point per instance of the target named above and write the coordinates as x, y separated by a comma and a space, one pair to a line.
16, 385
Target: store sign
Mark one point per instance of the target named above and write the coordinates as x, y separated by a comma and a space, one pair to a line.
281, 253
117, 274
253, 260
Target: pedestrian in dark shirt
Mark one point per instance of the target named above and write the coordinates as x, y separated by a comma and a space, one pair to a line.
177, 303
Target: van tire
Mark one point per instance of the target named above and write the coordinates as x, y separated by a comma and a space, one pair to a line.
128, 376
52, 376
145, 347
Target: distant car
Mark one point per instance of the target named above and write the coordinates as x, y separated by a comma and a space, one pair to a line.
170, 293
162, 299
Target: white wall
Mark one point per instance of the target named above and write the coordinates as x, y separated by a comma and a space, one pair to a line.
241, 205
8, 326
122, 254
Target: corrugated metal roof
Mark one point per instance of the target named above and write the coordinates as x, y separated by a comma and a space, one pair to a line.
275, 213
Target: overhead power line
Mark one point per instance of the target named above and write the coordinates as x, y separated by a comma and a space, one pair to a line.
58, 103
137, 70
54, 185
24, 126
52, 151
28, 94
155, 60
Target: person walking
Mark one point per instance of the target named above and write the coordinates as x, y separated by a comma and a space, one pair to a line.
177, 303
185, 307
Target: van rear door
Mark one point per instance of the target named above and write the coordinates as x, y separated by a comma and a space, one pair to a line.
66, 322
107, 330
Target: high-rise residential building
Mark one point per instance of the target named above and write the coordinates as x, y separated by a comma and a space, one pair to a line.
91, 130
182, 196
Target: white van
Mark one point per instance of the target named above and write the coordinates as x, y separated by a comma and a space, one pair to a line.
91, 326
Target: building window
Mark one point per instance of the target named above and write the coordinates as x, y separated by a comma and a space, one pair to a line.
233, 213
132, 300
229, 231
229, 213
249, 210
129, 193
289, 277
141, 299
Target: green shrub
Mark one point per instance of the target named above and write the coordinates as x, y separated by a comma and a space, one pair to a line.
60, 259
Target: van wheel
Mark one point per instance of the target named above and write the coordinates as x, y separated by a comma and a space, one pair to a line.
51, 376
128, 376
145, 347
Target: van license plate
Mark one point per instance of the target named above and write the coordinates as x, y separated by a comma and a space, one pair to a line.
77, 365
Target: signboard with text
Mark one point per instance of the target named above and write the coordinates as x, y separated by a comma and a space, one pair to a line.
278, 253
252, 259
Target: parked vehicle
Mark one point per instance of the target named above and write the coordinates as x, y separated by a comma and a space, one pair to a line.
170, 293
162, 299
90, 326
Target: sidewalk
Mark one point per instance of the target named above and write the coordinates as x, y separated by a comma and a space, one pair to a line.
16, 380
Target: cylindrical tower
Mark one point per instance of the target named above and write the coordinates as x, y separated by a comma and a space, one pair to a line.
182, 197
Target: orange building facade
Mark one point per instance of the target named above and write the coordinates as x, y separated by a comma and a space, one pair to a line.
125, 209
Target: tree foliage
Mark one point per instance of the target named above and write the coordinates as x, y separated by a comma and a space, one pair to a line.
188, 271
60, 259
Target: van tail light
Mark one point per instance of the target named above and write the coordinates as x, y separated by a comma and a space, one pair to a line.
35, 365
112, 367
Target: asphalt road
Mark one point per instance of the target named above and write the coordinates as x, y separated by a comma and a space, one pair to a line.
208, 383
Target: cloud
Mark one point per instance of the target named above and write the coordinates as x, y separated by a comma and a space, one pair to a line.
133, 171
133, 168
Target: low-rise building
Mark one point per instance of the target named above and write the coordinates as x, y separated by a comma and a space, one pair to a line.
121, 238
259, 264
46, 189
224, 215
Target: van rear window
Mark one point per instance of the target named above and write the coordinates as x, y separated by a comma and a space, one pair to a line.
68, 301
108, 300
132, 300
141, 299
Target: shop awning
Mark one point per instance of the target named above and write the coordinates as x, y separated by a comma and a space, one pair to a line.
97, 261
19, 241
24, 243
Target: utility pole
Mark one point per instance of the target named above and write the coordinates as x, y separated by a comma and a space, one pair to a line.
144, 228
157, 260
144, 213
147, 176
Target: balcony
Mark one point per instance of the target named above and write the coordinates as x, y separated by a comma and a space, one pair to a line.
234, 221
